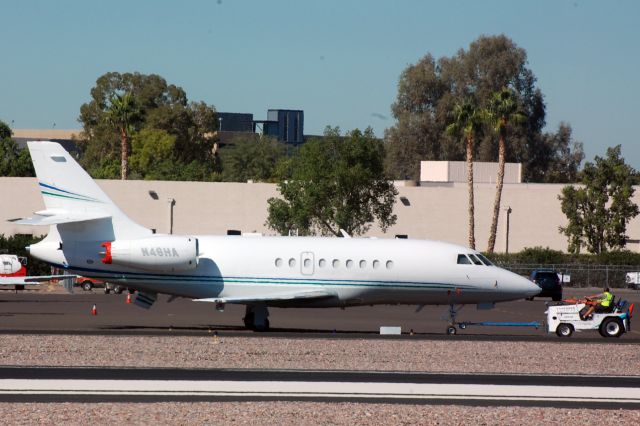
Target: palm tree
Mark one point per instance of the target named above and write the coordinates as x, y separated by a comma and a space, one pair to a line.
121, 113
467, 119
501, 112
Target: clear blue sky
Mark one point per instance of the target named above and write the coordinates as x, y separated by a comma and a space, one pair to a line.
337, 60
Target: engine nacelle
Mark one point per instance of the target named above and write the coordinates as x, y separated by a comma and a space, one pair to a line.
163, 253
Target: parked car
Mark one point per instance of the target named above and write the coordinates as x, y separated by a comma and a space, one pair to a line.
87, 284
549, 281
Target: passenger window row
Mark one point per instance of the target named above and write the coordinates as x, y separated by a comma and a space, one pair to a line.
335, 263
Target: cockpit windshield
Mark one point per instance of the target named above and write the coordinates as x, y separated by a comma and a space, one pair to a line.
485, 260
475, 259
463, 260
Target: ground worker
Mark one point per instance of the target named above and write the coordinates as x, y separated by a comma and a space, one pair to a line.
603, 304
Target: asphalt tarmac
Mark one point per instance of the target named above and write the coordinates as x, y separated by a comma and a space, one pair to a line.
52, 311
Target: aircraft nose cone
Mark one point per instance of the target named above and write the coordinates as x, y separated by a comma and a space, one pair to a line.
530, 288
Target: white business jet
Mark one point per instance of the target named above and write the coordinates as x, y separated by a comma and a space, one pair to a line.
89, 235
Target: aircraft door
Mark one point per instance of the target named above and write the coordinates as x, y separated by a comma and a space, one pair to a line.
307, 263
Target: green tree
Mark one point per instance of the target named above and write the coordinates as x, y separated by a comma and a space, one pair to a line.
14, 162
558, 157
160, 106
334, 183
467, 121
251, 157
152, 154
598, 212
429, 89
122, 112
5, 131
501, 113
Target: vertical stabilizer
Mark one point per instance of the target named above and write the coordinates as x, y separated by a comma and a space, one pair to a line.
69, 191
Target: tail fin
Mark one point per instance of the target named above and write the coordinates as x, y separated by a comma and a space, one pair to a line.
71, 195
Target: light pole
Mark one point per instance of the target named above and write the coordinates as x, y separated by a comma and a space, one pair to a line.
506, 250
172, 203
219, 124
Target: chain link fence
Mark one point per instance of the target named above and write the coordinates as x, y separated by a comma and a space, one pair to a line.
581, 275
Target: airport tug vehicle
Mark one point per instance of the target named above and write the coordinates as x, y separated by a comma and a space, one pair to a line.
567, 317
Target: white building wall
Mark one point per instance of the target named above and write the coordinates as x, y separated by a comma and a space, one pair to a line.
456, 171
435, 211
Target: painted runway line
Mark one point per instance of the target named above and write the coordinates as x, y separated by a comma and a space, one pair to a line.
331, 390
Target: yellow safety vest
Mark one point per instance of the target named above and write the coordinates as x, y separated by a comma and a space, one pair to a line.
606, 299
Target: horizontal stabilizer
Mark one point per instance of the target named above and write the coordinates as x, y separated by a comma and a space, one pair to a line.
59, 216
299, 295
32, 279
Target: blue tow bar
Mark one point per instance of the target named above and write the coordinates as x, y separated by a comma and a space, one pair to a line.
534, 324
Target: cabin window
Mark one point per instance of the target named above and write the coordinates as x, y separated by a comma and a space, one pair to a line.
363, 264
322, 263
376, 264
475, 259
463, 260
336, 263
278, 262
485, 260
292, 262
389, 264
349, 263
307, 263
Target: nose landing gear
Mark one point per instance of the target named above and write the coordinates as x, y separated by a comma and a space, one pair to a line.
453, 312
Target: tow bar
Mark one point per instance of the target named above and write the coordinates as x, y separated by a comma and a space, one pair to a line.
533, 324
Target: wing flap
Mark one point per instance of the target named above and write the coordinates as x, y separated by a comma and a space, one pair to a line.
298, 295
59, 216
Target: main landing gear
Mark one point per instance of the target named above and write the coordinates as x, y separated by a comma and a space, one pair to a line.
256, 318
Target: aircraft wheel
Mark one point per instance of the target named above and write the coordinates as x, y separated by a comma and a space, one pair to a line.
248, 321
87, 285
264, 327
106, 290
564, 330
451, 330
462, 326
611, 327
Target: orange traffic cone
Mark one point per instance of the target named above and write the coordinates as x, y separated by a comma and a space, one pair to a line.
94, 310
128, 302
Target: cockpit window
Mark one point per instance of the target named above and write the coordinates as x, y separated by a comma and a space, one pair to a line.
475, 259
463, 260
485, 260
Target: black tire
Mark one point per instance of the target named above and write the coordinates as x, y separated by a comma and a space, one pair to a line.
556, 298
564, 330
264, 327
248, 321
118, 289
87, 285
611, 327
451, 330
529, 298
106, 290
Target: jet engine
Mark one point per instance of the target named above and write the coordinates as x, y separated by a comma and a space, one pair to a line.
162, 253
